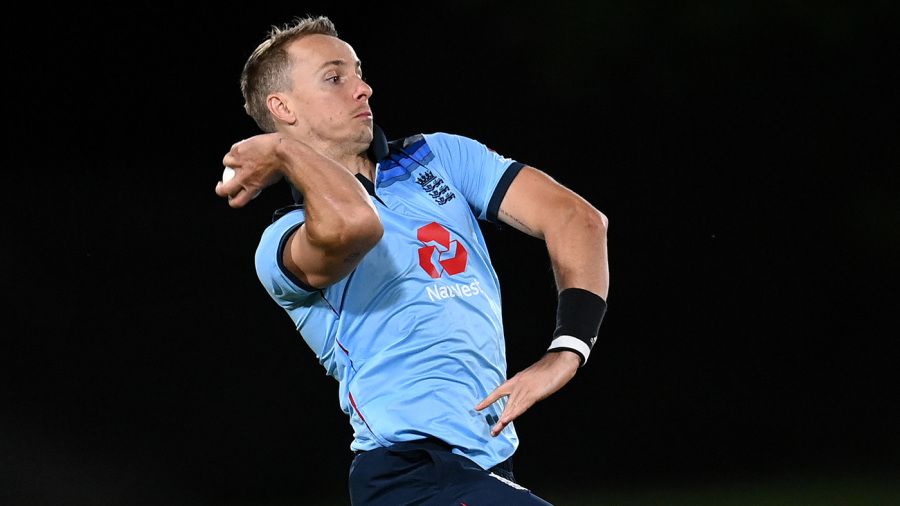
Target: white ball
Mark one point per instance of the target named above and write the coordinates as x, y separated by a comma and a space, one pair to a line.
228, 173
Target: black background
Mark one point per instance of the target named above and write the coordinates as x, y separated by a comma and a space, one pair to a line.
745, 153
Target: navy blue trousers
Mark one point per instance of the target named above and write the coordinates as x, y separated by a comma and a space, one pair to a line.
427, 473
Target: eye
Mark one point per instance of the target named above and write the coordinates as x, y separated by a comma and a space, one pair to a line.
334, 79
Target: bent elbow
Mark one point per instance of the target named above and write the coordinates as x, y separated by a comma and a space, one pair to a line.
370, 230
363, 230
594, 220
604, 221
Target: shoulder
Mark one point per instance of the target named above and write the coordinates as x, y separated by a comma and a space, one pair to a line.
271, 241
424, 146
430, 138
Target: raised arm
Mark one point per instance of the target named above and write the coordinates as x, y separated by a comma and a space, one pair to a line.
341, 223
575, 234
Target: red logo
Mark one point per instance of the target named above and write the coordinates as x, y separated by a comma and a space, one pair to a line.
451, 256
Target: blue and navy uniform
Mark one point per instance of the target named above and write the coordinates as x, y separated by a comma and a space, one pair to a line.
414, 335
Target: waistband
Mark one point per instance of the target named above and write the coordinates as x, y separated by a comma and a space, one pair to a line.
504, 469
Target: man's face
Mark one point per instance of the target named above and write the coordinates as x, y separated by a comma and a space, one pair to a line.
331, 101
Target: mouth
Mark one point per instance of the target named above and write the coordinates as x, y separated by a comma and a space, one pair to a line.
364, 114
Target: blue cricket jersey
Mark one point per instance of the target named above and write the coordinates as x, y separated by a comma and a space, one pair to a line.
414, 334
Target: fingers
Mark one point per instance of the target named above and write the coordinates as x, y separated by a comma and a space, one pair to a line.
522, 391
493, 396
222, 189
229, 160
515, 407
498, 427
236, 194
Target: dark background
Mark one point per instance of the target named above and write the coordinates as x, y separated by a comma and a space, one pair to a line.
746, 154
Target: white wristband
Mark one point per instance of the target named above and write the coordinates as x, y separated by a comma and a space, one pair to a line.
572, 343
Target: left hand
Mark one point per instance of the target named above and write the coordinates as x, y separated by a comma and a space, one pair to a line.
533, 384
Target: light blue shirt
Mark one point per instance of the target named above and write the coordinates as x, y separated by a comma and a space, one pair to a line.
414, 335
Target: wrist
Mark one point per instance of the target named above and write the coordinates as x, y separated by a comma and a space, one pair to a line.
578, 317
565, 356
284, 148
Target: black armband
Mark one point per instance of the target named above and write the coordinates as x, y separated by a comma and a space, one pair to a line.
578, 317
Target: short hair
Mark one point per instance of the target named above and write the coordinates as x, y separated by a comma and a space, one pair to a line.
267, 70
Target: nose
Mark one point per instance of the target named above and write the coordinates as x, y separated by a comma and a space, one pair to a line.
363, 90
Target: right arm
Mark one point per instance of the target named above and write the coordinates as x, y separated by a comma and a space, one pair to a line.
341, 223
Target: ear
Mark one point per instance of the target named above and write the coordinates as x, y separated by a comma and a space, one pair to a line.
280, 107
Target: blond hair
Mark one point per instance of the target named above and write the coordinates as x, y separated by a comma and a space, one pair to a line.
268, 68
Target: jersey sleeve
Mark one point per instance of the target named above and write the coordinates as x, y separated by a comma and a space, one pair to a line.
480, 173
285, 288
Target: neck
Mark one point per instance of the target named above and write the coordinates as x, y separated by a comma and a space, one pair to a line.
359, 164
356, 163
346, 154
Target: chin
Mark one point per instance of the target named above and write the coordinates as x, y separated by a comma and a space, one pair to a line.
365, 136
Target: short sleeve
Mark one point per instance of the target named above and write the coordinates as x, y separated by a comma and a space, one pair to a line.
480, 173
285, 288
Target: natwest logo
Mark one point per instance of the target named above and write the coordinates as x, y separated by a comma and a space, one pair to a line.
440, 254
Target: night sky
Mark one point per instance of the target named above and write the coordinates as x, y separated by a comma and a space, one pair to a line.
747, 156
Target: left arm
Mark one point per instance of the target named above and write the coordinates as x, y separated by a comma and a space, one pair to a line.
575, 233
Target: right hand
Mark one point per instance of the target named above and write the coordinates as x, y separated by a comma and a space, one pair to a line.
256, 165
531, 385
